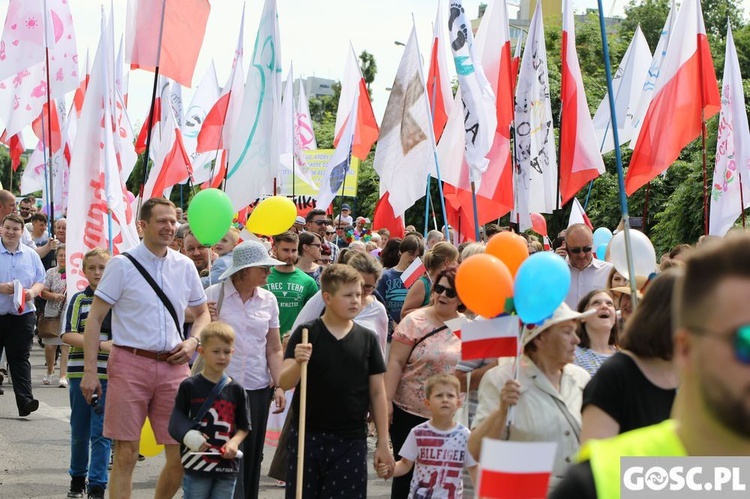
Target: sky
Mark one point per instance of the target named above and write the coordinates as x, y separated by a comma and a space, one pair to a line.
315, 35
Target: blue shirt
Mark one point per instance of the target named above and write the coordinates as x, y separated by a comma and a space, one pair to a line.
23, 266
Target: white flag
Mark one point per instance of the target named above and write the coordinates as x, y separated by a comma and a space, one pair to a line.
254, 152
22, 43
480, 115
732, 149
653, 74
535, 176
405, 151
292, 162
95, 183
338, 165
304, 123
204, 98
627, 84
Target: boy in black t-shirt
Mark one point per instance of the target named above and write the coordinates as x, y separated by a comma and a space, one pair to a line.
345, 380
209, 454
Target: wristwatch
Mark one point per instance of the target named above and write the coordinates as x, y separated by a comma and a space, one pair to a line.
198, 340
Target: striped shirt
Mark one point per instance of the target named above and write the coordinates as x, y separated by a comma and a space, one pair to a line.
590, 360
75, 322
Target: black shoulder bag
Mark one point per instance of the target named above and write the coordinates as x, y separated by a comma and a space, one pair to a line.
159, 292
420, 340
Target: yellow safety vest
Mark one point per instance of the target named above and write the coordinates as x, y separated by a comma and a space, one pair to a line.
604, 455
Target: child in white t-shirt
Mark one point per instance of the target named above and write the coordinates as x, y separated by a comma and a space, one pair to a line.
438, 446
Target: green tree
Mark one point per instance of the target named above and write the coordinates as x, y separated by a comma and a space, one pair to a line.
6, 171
369, 69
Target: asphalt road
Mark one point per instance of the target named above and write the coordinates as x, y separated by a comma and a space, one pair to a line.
35, 451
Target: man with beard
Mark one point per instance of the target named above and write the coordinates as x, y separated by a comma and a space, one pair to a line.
318, 221
197, 252
711, 412
292, 287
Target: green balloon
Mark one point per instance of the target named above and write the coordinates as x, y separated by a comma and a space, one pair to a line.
210, 215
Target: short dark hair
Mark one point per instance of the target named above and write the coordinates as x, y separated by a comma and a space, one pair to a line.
583, 305
26, 200
39, 217
450, 274
336, 275
648, 332
286, 237
149, 205
491, 229
314, 213
389, 254
411, 244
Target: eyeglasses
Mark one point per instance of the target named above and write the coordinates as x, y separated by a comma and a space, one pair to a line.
739, 339
315, 244
449, 292
575, 251
264, 268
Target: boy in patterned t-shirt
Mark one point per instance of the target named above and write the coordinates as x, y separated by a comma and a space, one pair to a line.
438, 446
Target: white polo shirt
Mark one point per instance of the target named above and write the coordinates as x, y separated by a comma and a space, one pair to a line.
139, 318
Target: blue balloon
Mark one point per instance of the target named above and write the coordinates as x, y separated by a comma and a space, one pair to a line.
602, 235
541, 285
601, 251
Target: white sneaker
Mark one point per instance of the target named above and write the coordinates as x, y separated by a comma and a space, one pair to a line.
47, 379
63, 383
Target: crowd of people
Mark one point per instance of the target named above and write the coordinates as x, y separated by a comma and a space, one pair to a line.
226, 330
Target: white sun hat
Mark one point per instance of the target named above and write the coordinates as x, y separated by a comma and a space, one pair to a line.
562, 314
249, 254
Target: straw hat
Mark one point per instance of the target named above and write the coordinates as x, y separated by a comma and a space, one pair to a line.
562, 314
640, 284
249, 254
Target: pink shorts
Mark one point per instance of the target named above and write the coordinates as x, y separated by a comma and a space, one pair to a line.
138, 387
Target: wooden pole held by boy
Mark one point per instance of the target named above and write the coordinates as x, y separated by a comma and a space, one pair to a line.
302, 416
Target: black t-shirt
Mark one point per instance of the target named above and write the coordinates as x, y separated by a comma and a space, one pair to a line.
621, 390
577, 484
229, 412
338, 378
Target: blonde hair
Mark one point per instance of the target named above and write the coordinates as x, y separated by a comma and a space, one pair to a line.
219, 330
337, 275
472, 249
96, 252
441, 379
439, 255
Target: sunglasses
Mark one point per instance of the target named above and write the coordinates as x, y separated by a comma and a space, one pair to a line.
330, 232
575, 251
320, 222
449, 292
739, 339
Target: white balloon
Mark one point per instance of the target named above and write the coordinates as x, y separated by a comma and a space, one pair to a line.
644, 255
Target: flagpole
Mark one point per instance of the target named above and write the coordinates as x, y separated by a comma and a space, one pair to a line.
51, 191
153, 102
742, 199
476, 215
704, 133
427, 207
618, 157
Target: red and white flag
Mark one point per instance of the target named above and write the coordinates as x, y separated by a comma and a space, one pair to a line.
172, 164
254, 150
383, 217
154, 118
413, 272
686, 93
439, 90
406, 152
96, 186
732, 171
292, 163
304, 125
178, 25
15, 149
83, 82
19, 296
218, 127
354, 90
204, 98
580, 159
456, 325
520, 470
578, 215
535, 179
627, 84
484, 339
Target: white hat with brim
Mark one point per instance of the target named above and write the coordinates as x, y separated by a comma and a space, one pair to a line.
249, 254
562, 314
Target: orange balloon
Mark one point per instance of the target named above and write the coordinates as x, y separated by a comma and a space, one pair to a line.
510, 248
484, 283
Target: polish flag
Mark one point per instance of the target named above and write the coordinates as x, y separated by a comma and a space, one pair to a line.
384, 218
15, 148
580, 159
686, 93
80, 93
439, 90
47, 122
457, 325
172, 164
520, 470
19, 297
167, 34
155, 117
578, 215
483, 339
354, 89
218, 127
413, 272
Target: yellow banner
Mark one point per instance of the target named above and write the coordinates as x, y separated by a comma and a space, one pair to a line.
318, 161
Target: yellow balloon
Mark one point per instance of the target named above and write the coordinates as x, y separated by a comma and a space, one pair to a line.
148, 445
272, 216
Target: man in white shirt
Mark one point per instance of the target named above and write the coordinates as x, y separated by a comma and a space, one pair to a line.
7, 207
149, 356
586, 272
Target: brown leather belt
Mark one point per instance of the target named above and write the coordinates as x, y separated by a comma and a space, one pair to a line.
157, 356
